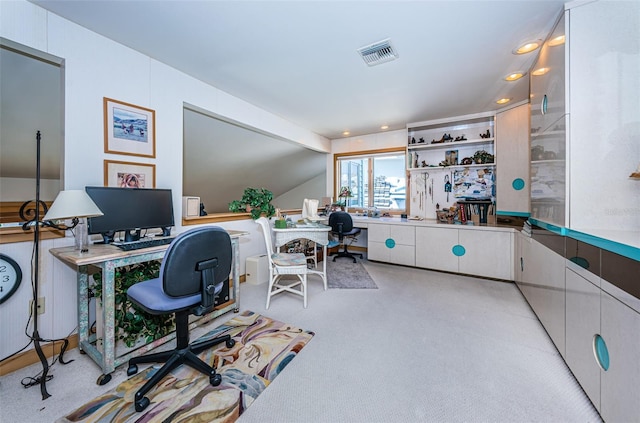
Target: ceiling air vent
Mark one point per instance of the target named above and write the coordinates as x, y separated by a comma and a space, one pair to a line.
377, 53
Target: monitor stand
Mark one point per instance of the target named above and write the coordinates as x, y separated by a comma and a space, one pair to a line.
107, 237
130, 236
166, 231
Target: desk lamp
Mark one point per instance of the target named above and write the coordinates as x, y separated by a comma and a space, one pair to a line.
68, 204
75, 205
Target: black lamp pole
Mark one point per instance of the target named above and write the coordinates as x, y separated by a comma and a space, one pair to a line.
32, 217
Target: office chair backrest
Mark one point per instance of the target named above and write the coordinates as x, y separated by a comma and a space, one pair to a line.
344, 218
189, 254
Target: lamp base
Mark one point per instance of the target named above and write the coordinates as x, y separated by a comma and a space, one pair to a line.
81, 234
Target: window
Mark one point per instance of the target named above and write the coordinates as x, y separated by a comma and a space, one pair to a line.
376, 179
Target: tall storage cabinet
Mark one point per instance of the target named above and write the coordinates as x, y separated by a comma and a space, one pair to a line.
548, 131
512, 151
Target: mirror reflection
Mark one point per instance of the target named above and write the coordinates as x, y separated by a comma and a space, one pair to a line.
222, 158
32, 99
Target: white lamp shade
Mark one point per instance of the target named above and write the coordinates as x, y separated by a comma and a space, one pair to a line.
309, 209
72, 203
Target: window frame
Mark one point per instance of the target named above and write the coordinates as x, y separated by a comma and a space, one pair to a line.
370, 154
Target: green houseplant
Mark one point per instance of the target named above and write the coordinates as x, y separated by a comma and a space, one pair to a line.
132, 323
257, 201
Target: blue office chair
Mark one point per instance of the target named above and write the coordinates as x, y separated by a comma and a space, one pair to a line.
342, 225
194, 270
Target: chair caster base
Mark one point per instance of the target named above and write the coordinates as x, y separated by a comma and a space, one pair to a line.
132, 370
104, 379
230, 343
142, 404
215, 380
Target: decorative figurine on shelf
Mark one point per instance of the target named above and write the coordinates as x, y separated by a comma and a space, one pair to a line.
421, 140
413, 140
203, 212
486, 135
461, 138
424, 164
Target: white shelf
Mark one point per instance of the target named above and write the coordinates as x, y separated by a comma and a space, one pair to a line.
445, 145
460, 166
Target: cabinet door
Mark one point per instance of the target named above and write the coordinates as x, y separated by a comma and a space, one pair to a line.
583, 323
546, 291
620, 328
434, 248
486, 253
512, 152
392, 244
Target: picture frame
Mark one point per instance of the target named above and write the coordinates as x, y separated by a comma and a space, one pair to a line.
451, 157
129, 175
129, 129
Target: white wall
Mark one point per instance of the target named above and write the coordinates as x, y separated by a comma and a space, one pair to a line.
96, 67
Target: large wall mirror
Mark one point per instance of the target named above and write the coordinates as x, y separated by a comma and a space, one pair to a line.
32, 88
222, 158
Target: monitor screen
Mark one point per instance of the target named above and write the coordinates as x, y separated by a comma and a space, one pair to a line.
130, 209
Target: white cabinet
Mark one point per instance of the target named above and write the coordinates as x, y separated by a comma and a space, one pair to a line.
620, 326
487, 253
512, 151
583, 323
434, 248
475, 252
548, 131
543, 285
392, 243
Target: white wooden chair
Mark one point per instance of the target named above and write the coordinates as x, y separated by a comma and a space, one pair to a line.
281, 264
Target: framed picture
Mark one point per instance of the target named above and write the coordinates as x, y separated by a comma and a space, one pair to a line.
129, 129
129, 175
451, 157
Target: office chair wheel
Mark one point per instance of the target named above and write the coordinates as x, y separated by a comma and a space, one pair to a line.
142, 404
104, 379
230, 343
132, 370
215, 380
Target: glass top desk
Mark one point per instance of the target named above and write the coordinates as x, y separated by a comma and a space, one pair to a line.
315, 232
107, 258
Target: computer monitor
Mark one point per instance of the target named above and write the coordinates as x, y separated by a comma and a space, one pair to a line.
130, 210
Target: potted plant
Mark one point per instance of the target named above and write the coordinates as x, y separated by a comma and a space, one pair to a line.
255, 201
345, 192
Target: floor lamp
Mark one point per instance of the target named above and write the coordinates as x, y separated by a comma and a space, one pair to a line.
67, 205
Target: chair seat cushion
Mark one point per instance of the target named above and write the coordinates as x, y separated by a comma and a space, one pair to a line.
289, 259
152, 299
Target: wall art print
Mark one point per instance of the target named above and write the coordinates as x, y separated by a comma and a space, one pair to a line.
129, 175
129, 129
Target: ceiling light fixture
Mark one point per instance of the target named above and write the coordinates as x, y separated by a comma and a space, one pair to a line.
556, 41
503, 100
514, 76
383, 127
345, 133
527, 47
540, 71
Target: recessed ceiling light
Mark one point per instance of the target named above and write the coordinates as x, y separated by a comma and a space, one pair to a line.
383, 127
514, 76
556, 41
540, 71
503, 100
345, 133
527, 47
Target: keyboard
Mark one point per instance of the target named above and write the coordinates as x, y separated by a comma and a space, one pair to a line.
145, 243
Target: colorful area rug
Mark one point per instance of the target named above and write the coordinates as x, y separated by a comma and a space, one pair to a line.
263, 348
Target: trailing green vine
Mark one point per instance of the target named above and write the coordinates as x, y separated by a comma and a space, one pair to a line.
133, 323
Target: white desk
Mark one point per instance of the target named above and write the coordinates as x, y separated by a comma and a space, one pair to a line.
107, 258
317, 233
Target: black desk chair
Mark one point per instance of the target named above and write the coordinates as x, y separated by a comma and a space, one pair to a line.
342, 226
193, 272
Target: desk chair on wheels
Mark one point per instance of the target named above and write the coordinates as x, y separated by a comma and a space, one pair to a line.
342, 226
194, 270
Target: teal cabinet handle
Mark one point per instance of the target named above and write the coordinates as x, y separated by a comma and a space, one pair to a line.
390, 243
458, 250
